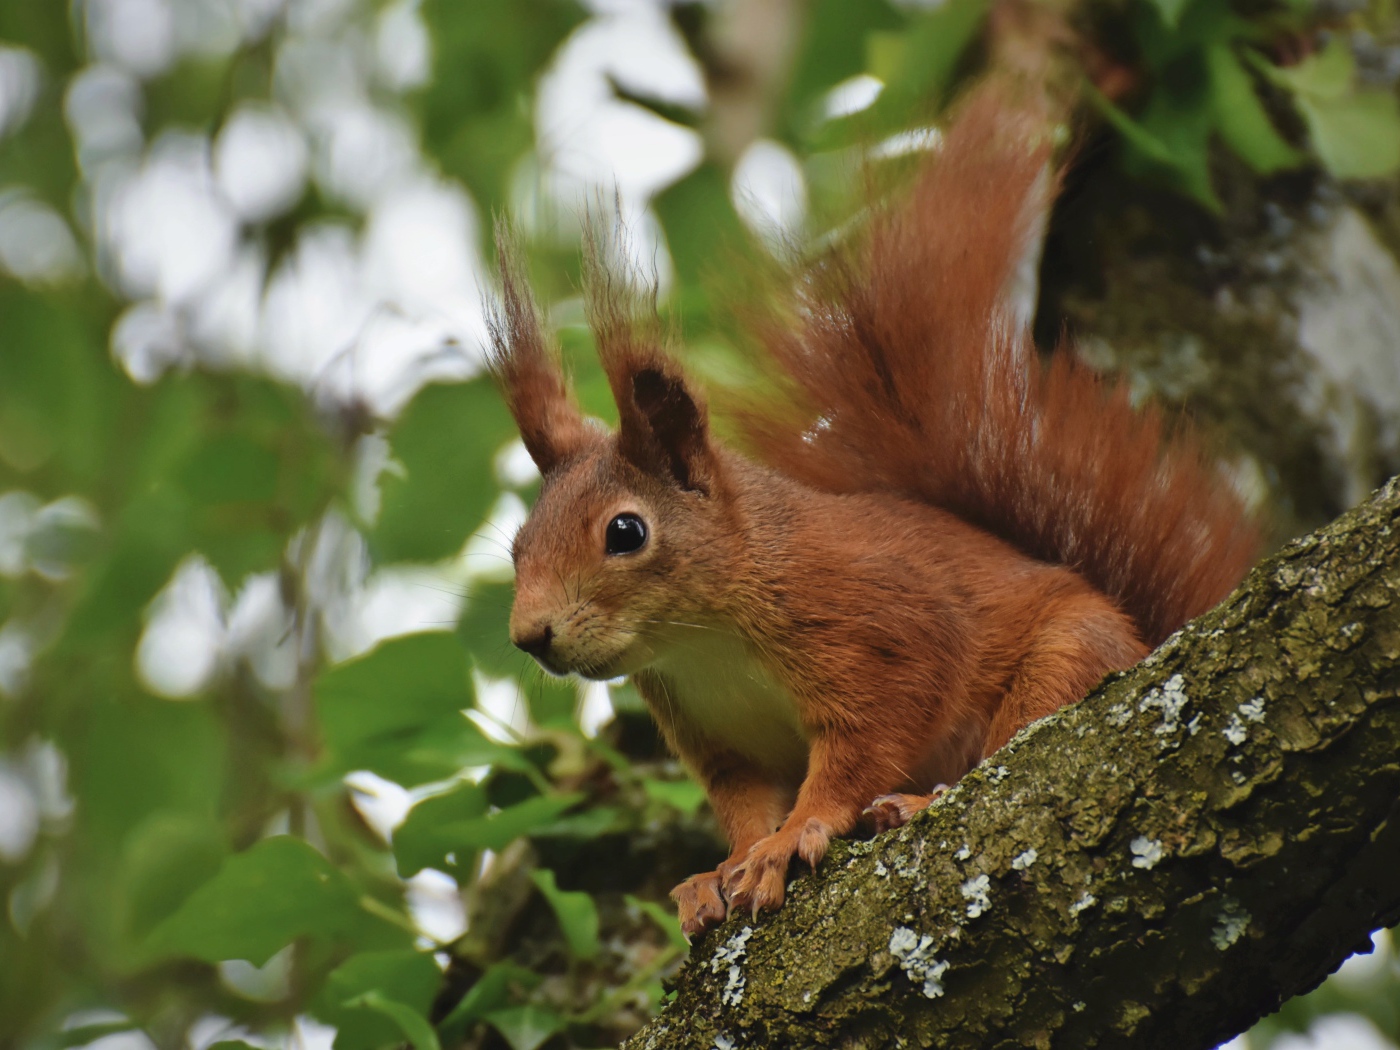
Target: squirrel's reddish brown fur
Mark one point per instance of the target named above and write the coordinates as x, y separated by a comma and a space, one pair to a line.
945, 541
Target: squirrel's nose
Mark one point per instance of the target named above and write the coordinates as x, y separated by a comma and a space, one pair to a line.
537, 644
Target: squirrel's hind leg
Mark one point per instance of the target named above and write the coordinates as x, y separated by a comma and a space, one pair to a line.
1075, 646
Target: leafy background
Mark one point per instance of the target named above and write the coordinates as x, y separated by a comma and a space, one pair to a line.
271, 773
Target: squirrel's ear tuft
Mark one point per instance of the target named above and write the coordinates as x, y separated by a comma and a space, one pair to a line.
676, 423
526, 364
663, 427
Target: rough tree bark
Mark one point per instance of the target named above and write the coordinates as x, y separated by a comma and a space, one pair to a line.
1157, 866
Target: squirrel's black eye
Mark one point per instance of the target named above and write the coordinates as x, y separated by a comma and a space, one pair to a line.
626, 533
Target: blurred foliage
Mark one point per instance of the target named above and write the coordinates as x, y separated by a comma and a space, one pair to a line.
475, 115
1212, 74
175, 836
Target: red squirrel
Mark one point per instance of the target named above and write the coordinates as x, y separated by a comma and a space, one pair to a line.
940, 537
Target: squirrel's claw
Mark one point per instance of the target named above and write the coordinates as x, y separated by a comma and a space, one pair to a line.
812, 842
894, 811
759, 881
699, 903
761, 885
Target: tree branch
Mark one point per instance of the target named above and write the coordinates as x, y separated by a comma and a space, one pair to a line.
1158, 866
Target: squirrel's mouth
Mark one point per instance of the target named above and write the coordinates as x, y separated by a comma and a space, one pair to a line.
592, 663
550, 667
595, 672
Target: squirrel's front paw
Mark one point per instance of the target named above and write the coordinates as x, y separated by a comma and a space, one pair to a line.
758, 883
699, 903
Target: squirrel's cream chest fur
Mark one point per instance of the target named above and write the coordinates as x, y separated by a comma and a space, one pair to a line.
719, 685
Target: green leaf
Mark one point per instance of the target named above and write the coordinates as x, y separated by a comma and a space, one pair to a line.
435, 751
417, 844
476, 113
143, 756
59, 395
46, 29
1170, 140
919, 64
485, 630
1328, 73
446, 442
260, 901
1134, 134
1356, 137
1355, 133
397, 711
1171, 10
1201, 25
490, 993
702, 227
498, 830
576, 912
588, 824
164, 860
1240, 116
665, 919
553, 701
403, 683
190, 95
408, 1021
256, 466
440, 750
150, 538
408, 978
526, 1027
684, 795
230, 468
833, 49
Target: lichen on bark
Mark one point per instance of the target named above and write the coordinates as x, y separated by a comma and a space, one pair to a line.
1157, 866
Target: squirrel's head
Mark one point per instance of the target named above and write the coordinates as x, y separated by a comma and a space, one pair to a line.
622, 544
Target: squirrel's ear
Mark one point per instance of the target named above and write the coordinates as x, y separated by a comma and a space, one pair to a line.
676, 427
526, 363
664, 428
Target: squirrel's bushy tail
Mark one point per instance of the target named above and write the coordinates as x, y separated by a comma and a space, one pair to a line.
908, 374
